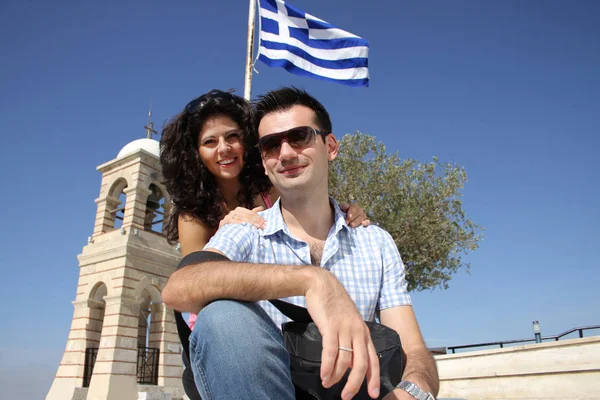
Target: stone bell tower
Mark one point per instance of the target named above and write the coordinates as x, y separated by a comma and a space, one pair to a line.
123, 342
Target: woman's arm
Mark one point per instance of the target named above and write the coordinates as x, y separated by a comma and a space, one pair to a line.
193, 234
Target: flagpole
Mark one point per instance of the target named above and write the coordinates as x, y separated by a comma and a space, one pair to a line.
249, 50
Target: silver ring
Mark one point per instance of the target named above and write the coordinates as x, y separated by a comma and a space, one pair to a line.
345, 348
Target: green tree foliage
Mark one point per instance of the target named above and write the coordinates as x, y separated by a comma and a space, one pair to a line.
419, 204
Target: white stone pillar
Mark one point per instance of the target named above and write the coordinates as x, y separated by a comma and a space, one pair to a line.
85, 332
115, 375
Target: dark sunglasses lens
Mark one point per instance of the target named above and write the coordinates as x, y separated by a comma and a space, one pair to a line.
192, 105
270, 144
300, 136
297, 138
201, 101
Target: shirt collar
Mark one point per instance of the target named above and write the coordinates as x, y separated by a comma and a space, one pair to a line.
275, 222
339, 218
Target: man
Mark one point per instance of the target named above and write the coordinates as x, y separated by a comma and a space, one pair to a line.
306, 255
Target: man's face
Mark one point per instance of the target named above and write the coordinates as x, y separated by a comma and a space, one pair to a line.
297, 168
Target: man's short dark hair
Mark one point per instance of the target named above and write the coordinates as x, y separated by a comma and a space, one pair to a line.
285, 98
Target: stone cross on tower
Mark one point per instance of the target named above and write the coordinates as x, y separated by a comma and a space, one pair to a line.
123, 339
150, 125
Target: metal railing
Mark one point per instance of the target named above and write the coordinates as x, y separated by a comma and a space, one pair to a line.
505, 342
90, 359
147, 365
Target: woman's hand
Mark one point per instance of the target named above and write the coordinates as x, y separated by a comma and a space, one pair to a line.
242, 215
355, 215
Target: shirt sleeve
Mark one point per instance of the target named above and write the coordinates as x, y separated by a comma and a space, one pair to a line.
394, 288
235, 241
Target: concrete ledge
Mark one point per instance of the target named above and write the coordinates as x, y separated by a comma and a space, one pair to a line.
566, 369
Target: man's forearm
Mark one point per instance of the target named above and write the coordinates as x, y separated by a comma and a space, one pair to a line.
194, 286
421, 369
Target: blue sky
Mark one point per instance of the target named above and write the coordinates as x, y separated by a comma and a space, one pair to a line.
508, 89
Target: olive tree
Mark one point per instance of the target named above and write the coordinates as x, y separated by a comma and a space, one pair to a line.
419, 204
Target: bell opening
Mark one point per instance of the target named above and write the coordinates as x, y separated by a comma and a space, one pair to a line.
155, 211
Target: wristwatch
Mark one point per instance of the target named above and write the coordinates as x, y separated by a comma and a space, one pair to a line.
415, 391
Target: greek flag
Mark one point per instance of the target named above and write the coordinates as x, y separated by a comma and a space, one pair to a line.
308, 46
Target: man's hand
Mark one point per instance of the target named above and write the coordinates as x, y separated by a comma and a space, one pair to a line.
341, 325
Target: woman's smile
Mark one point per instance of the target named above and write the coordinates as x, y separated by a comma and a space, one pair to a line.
228, 162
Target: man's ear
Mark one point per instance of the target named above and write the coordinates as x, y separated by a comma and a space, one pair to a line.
332, 147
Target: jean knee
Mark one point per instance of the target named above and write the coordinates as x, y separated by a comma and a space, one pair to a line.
221, 316
223, 319
225, 324
213, 315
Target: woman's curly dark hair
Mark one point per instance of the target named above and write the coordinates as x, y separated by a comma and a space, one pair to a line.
191, 185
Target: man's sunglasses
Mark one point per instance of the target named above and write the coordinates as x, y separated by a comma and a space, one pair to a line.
298, 138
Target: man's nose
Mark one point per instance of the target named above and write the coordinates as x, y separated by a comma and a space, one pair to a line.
287, 152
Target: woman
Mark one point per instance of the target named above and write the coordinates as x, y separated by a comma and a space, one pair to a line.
214, 172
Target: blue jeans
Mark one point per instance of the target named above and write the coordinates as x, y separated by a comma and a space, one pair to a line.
237, 352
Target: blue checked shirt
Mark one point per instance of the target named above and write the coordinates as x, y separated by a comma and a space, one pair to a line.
364, 260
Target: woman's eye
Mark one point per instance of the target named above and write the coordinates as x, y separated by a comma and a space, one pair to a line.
234, 136
208, 142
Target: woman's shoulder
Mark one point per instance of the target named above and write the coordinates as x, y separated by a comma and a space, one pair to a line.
273, 194
267, 199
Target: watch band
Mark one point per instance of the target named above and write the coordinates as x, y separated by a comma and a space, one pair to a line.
415, 391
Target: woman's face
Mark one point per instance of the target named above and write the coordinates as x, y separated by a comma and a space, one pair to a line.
220, 147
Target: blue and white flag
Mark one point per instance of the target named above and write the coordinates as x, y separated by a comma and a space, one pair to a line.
308, 46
